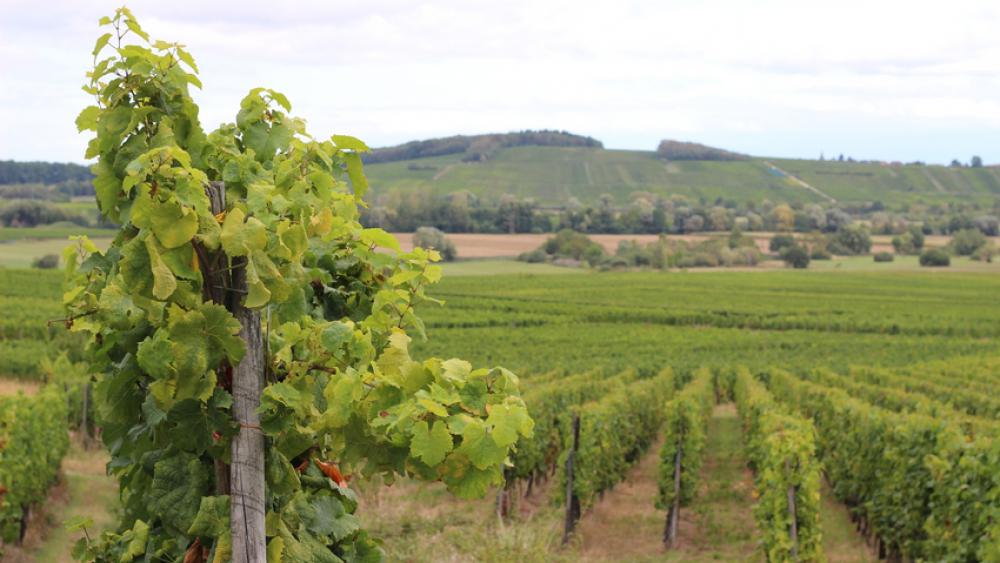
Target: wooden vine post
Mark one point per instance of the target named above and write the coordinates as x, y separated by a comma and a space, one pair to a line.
793, 531
670, 534
572, 501
245, 480
247, 468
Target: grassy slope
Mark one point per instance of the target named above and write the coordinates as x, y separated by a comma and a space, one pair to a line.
552, 174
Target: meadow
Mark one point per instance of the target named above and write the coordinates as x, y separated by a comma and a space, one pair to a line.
891, 342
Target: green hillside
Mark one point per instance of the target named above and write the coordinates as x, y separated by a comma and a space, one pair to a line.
553, 174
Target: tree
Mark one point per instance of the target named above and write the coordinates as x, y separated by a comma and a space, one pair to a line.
796, 256
977, 162
967, 241
780, 242
433, 239
850, 240
910, 242
782, 218
252, 230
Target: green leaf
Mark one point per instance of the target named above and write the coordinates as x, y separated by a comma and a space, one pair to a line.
275, 550
77, 523
212, 519
281, 100
101, 42
481, 449
187, 58
164, 282
258, 294
507, 421
222, 331
354, 170
156, 355
341, 393
432, 445
87, 120
137, 545
329, 518
466, 481
336, 335
179, 482
349, 143
172, 224
378, 237
240, 238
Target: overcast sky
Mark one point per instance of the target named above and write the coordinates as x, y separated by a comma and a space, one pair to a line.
894, 80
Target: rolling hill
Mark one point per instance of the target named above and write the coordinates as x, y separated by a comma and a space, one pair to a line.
551, 175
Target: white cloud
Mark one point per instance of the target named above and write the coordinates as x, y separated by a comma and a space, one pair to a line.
777, 76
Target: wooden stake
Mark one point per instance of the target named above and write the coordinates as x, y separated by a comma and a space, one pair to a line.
674, 514
572, 502
794, 531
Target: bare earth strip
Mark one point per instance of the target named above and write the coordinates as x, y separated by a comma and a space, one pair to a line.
13, 386
934, 181
802, 183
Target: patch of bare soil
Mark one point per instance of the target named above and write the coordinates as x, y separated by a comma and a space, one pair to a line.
12, 386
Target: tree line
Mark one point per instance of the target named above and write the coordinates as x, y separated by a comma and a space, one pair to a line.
479, 147
647, 213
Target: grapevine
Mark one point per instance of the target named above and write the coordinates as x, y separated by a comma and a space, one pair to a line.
259, 217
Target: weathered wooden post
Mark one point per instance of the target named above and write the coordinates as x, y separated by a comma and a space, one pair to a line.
794, 528
670, 535
572, 502
243, 480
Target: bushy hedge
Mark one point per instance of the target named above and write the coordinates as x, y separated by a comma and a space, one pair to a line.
34, 440
782, 451
685, 429
922, 484
884, 257
935, 257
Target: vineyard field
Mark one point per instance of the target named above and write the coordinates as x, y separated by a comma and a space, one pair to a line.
786, 347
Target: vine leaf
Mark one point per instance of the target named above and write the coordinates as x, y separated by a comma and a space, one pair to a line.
431, 445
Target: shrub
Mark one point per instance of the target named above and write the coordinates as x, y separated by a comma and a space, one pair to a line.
796, 256
985, 253
851, 240
967, 241
47, 262
568, 243
935, 257
780, 242
910, 242
431, 237
534, 257
820, 254
884, 257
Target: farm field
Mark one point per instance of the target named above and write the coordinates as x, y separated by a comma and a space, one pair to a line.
892, 342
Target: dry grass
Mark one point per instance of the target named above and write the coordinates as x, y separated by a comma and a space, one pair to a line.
423, 522
625, 525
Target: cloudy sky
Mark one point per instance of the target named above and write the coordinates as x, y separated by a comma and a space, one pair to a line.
885, 79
